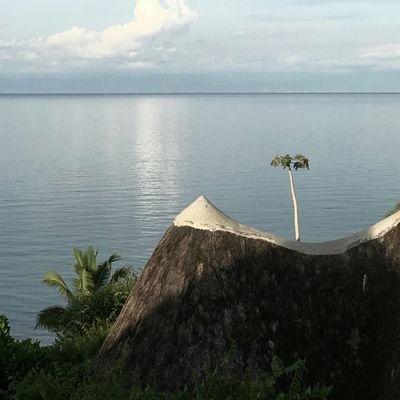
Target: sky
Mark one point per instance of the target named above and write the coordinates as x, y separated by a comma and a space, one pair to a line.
199, 45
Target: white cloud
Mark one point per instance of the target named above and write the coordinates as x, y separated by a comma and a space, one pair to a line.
382, 57
124, 42
386, 51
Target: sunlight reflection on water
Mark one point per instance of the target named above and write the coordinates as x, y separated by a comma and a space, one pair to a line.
113, 171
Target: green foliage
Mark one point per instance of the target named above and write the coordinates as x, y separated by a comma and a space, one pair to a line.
296, 162
53, 279
17, 357
281, 383
62, 372
4, 328
29, 371
287, 161
57, 371
67, 379
97, 299
90, 275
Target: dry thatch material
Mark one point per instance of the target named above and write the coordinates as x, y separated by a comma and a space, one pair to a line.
209, 291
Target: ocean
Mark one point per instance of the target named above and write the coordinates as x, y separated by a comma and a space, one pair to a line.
113, 171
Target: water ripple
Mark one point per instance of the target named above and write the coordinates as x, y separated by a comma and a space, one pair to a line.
114, 171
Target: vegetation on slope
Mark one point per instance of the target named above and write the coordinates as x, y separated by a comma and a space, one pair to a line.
61, 371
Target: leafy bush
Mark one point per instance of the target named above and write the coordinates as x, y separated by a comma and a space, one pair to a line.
62, 371
97, 311
17, 357
97, 297
68, 379
281, 383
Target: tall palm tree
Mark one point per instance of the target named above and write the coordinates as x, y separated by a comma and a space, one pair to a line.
90, 279
296, 162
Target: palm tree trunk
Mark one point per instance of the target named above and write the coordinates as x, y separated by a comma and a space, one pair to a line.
295, 206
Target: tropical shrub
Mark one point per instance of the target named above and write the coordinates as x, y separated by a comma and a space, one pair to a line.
97, 297
65, 380
281, 383
17, 357
62, 371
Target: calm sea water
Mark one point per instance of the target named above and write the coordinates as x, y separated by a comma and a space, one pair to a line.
113, 171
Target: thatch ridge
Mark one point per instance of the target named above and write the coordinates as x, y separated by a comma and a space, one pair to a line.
203, 214
205, 292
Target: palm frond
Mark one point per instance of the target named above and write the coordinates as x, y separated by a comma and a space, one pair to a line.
296, 386
102, 275
77, 283
87, 282
78, 268
114, 257
91, 256
53, 318
122, 273
54, 279
79, 257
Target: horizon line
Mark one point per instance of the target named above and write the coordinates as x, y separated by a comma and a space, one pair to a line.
189, 93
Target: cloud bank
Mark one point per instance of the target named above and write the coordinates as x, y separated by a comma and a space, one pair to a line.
124, 42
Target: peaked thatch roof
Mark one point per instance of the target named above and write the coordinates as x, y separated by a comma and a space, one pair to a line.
213, 285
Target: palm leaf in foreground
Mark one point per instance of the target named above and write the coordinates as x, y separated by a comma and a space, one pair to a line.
53, 318
113, 258
102, 276
103, 273
123, 273
54, 279
87, 284
97, 297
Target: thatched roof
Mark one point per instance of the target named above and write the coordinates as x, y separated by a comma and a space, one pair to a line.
202, 214
213, 285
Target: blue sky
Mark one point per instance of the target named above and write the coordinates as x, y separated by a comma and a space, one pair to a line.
199, 45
